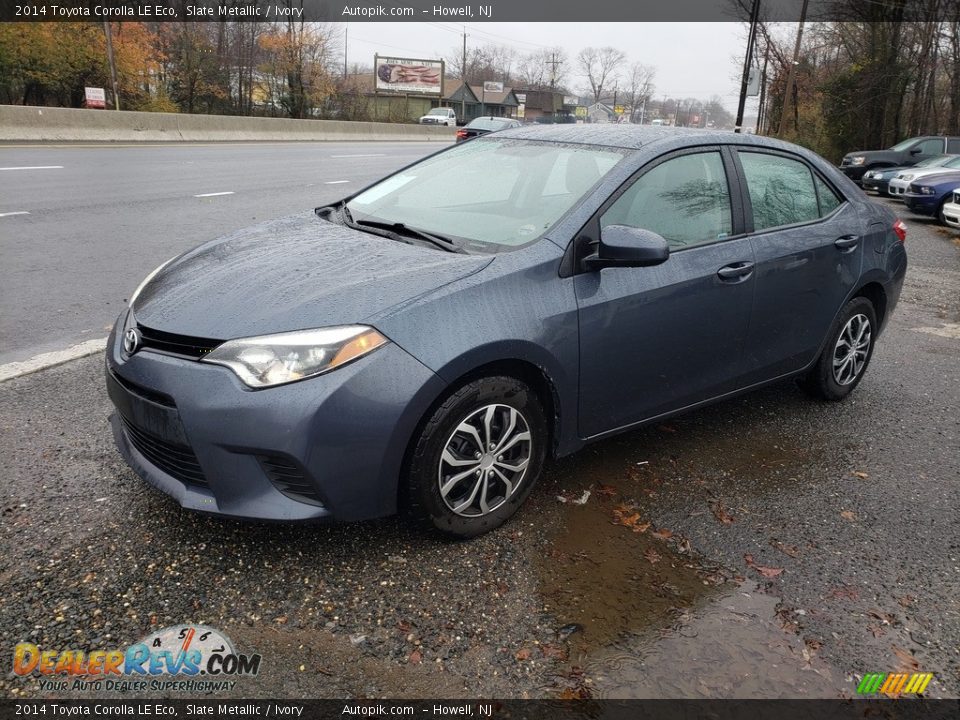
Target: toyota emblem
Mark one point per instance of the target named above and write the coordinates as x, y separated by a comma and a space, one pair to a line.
131, 341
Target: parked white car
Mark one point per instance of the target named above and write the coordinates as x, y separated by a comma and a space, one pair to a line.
898, 185
440, 116
951, 210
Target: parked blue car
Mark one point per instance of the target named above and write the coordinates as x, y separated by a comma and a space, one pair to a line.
429, 342
928, 195
879, 179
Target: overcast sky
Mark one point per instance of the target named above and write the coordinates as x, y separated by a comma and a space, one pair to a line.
694, 60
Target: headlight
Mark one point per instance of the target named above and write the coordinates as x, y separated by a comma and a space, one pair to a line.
858, 160
924, 190
276, 359
147, 279
870, 174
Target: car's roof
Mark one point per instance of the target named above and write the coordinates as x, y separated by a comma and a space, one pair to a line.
627, 136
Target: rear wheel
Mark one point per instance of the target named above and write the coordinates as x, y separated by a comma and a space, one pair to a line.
478, 457
846, 354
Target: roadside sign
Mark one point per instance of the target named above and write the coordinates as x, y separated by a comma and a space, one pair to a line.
95, 97
581, 111
753, 82
619, 109
494, 87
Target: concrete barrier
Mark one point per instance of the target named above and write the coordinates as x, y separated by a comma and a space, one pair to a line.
47, 124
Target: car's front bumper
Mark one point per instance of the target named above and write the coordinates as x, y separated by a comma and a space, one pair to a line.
922, 204
951, 214
327, 447
897, 188
854, 172
875, 184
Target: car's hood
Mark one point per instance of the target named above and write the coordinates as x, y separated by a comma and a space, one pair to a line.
926, 172
291, 274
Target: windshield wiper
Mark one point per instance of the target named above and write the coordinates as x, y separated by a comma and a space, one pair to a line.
399, 228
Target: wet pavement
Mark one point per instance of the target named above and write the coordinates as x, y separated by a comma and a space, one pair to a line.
768, 546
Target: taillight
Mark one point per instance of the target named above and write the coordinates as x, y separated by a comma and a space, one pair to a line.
900, 228
461, 133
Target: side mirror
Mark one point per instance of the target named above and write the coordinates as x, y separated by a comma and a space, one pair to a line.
624, 246
915, 151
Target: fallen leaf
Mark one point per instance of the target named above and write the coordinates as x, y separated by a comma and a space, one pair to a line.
791, 550
906, 658
684, 546
876, 630
662, 534
861, 475
767, 572
812, 643
626, 516
523, 654
577, 693
403, 626
720, 513
415, 657
652, 556
573, 498
848, 515
885, 618
282, 620
845, 592
554, 652
906, 600
606, 491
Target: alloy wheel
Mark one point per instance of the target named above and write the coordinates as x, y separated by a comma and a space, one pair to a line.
852, 348
485, 460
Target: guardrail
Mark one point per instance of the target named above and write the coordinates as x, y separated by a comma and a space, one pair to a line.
49, 124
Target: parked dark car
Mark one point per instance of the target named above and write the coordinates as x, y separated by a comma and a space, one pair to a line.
904, 154
484, 125
878, 179
430, 341
928, 195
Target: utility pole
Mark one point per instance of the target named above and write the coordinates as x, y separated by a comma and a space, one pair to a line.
463, 78
553, 62
747, 61
792, 74
762, 109
113, 66
344, 51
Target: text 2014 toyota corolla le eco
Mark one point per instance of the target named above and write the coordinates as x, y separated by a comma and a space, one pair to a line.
431, 341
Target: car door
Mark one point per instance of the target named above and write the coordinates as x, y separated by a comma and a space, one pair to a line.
927, 148
808, 244
654, 339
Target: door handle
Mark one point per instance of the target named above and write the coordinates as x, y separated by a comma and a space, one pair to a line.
847, 242
735, 271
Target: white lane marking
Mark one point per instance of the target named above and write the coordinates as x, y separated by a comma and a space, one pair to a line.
336, 182
49, 359
365, 155
949, 330
229, 192
35, 167
18, 212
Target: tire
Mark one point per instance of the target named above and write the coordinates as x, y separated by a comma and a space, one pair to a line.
839, 370
467, 506
941, 218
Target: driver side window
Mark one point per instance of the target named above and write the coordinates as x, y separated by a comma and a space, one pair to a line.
685, 199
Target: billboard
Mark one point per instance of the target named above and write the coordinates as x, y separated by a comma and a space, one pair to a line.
492, 87
424, 77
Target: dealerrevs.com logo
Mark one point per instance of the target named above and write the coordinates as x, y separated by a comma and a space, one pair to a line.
191, 658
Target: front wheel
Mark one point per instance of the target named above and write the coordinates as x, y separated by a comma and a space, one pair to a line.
845, 357
478, 457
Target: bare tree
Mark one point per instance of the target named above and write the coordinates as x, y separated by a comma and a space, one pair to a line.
639, 86
600, 66
543, 68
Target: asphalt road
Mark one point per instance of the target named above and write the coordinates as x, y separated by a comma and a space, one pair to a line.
80, 226
768, 546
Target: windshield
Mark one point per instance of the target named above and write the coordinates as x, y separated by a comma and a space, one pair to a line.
489, 124
488, 194
903, 145
938, 161
439, 111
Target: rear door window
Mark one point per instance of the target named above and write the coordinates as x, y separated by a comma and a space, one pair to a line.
782, 190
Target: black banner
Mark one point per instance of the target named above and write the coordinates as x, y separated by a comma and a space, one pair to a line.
892, 709
456, 11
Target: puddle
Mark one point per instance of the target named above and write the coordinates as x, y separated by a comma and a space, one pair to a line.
643, 617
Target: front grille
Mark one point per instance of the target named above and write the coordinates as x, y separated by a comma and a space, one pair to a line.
182, 345
289, 478
175, 460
